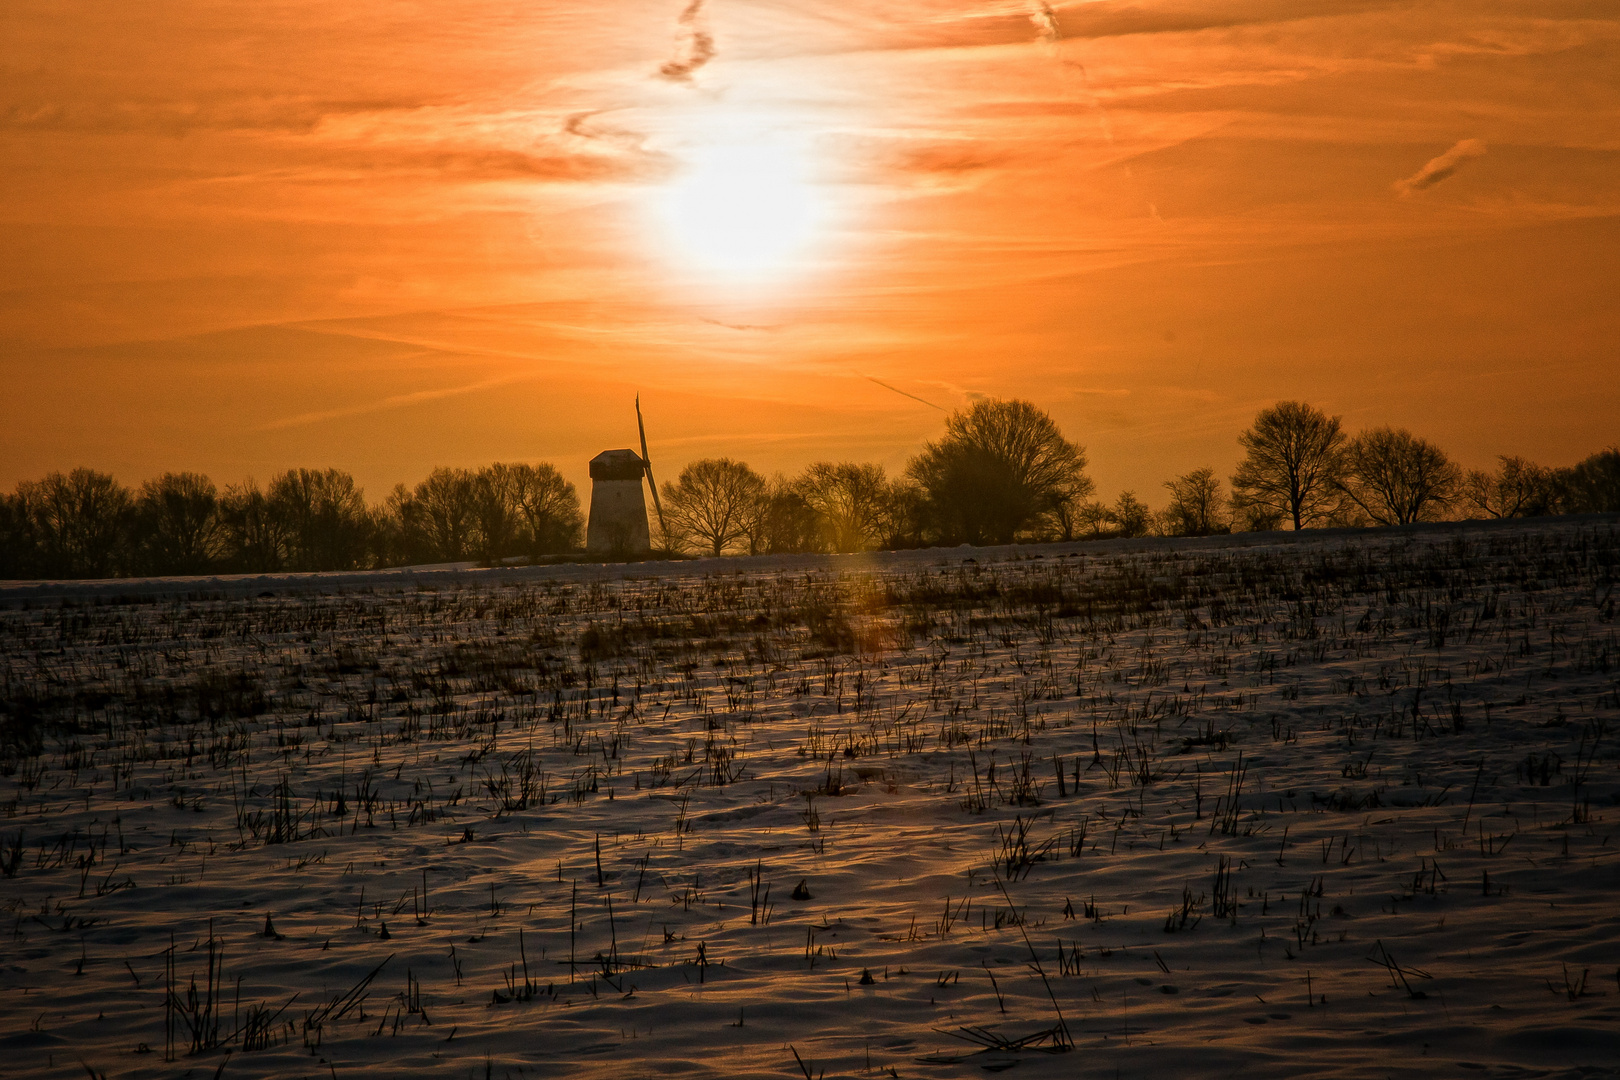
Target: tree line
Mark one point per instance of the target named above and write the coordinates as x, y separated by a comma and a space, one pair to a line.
1002, 473
1005, 473
83, 524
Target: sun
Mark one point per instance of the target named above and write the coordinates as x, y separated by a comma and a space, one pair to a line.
743, 207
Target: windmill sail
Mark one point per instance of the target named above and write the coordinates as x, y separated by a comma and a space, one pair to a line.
642, 428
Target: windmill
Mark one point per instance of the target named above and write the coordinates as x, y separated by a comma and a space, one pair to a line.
618, 523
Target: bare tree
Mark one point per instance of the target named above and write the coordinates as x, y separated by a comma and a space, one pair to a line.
1072, 511
1397, 478
324, 512
1196, 506
1130, 515
1254, 517
444, 507
1001, 466
178, 521
79, 521
549, 506
255, 536
1518, 488
1292, 466
18, 555
756, 520
851, 503
402, 539
1593, 485
787, 522
522, 509
907, 519
1092, 520
715, 502
495, 512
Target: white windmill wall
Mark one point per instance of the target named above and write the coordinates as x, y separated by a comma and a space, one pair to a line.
618, 520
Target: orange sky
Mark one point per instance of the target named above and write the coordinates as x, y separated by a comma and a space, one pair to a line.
390, 236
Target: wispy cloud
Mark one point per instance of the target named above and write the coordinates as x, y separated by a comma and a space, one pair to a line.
960, 391
1438, 169
471, 142
105, 114
745, 327
694, 45
1046, 22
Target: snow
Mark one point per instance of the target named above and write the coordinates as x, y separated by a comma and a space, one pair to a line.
1415, 876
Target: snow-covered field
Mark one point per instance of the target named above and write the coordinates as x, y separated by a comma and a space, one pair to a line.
1328, 806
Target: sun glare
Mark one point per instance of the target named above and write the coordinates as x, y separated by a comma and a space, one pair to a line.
743, 207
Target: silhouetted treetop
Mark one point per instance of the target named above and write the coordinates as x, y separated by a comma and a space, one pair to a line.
1001, 466
178, 524
79, 523
327, 523
1292, 466
852, 503
1518, 488
1397, 478
715, 502
1196, 507
1593, 485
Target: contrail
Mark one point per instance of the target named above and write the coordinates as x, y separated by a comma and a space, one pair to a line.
902, 393
394, 401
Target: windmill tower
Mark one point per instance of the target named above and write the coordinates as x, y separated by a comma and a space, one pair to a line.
618, 521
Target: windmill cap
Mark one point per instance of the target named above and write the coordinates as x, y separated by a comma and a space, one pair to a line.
617, 465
